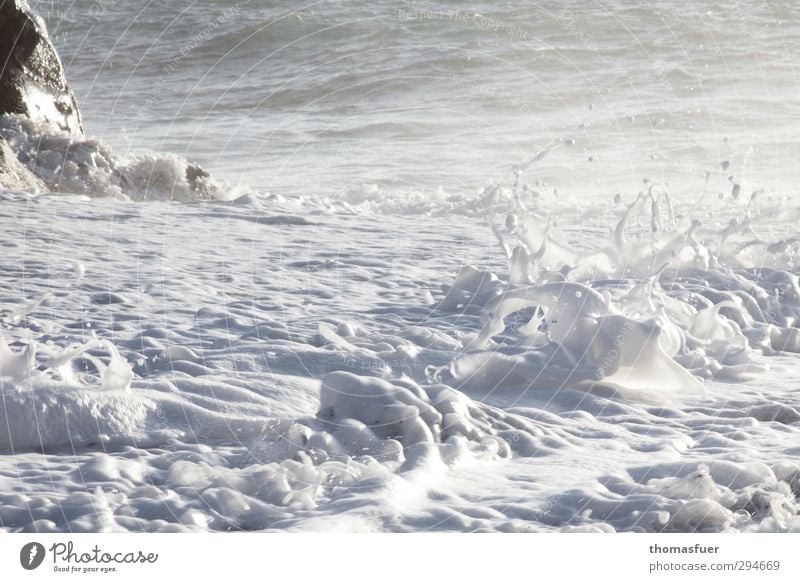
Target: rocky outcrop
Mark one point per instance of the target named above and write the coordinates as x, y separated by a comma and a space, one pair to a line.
32, 82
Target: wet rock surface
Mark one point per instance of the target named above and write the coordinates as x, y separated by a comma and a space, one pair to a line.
32, 82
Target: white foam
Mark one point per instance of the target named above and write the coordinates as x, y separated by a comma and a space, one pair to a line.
434, 393
74, 165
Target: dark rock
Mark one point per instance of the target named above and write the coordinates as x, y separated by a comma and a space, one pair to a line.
201, 181
194, 174
32, 82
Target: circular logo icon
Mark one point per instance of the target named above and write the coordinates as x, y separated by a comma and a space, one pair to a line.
31, 555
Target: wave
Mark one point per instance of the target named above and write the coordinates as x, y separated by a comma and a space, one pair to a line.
61, 162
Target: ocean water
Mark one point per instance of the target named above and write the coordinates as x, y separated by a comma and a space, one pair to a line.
508, 267
323, 97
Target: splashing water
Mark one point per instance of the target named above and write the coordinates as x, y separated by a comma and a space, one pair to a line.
649, 316
64, 163
630, 310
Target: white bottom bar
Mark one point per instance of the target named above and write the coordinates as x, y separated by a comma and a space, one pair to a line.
390, 557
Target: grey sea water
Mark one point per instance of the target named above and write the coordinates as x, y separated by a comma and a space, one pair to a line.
321, 97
